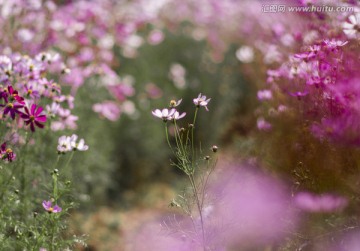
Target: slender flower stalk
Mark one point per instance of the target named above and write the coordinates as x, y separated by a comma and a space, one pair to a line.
186, 156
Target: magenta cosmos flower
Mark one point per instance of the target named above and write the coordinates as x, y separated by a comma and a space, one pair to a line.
51, 209
34, 117
12, 109
6, 153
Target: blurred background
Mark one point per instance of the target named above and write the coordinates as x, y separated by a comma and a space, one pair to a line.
124, 59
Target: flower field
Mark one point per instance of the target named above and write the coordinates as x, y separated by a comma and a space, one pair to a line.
168, 125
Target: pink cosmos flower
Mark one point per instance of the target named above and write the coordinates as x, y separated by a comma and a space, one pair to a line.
50, 208
34, 117
201, 101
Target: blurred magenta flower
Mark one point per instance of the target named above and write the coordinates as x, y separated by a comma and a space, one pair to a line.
33, 117
47, 205
320, 203
201, 101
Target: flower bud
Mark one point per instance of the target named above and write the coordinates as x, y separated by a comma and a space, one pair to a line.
214, 148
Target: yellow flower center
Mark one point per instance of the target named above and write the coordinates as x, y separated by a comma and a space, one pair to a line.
9, 150
32, 118
11, 105
29, 91
172, 103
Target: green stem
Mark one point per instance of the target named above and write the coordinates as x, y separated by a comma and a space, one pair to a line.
167, 137
52, 232
4, 186
192, 181
69, 159
192, 139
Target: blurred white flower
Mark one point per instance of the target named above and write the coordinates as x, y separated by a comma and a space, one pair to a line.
245, 54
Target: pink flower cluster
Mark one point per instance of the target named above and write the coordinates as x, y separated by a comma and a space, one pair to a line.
25, 86
86, 33
313, 70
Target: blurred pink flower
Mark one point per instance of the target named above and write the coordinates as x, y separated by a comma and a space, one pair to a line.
155, 37
108, 109
263, 125
319, 203
264, 95
153, 91
153, 236
247, 209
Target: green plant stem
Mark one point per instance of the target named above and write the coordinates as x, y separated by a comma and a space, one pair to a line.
178, 138
167, 137
69, 160
52, 233
23, 179
4, 186
192, 140
192, 181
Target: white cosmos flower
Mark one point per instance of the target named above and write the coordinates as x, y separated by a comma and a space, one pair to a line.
177, 116
201, 101
64, 144
164, 114
78, 146
352, 27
